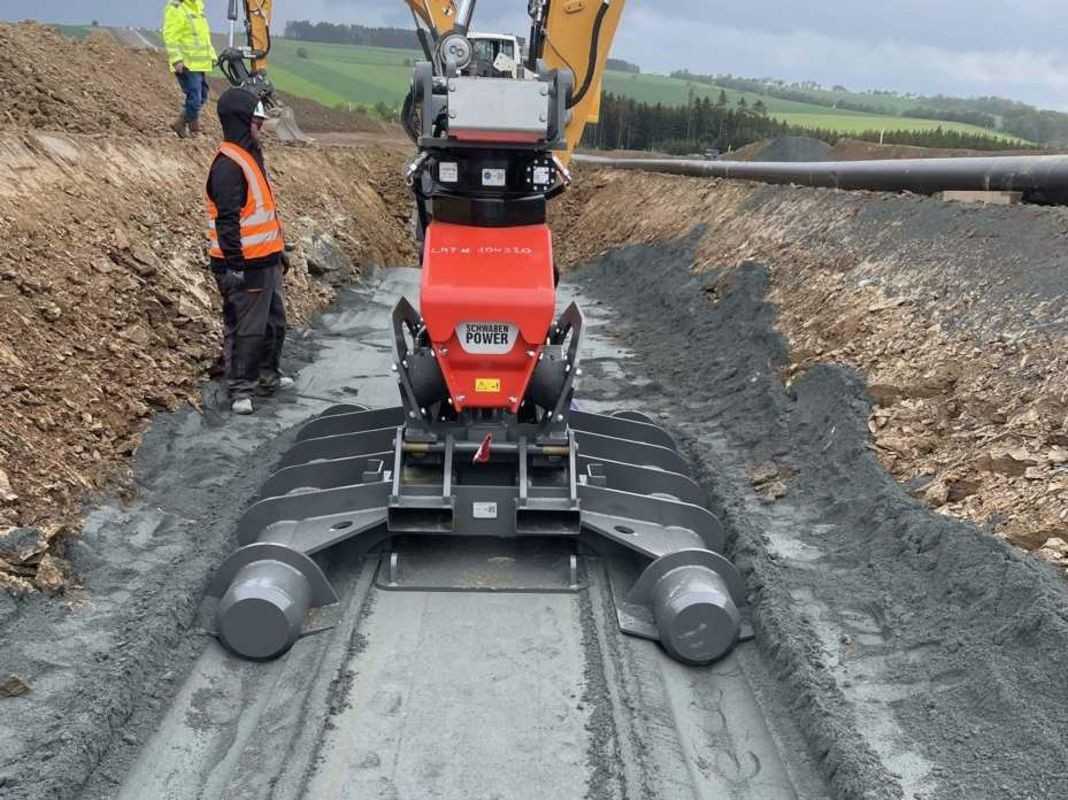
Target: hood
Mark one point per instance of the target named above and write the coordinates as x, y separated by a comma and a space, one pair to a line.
235, 114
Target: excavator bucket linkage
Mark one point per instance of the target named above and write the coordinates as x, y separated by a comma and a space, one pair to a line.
615, 486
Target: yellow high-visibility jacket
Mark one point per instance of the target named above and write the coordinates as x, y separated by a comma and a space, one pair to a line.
187, 36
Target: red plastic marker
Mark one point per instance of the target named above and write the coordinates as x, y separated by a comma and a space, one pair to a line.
482, 455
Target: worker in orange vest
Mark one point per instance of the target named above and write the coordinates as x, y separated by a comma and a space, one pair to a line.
248, 254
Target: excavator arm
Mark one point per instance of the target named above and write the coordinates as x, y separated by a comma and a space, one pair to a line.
257, 27
235, 64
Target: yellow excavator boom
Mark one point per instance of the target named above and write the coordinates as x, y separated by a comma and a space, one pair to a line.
569, 44
258, 19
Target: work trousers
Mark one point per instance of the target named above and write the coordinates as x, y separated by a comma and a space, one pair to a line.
195, 87
254, 329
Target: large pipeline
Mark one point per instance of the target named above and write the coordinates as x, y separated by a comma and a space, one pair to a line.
1039, 178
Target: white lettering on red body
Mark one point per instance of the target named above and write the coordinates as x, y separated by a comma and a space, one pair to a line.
482, 251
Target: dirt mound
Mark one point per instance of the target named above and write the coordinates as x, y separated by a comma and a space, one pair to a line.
52, 83
954, 314
856, 150
109, 312
922, 660
784, 148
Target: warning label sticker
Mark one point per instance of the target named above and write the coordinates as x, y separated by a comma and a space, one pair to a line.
487, 385
487, 338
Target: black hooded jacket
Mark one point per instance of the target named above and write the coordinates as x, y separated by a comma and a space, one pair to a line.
227, 186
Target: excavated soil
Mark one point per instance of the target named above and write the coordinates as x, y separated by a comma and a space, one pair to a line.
925, 659
110, 314
954, 314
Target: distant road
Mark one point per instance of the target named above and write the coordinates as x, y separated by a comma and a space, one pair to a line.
136, 39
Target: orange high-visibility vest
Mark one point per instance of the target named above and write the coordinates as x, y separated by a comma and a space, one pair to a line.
261, 230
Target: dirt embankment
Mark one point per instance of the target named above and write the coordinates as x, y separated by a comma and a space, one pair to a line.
109, 313
955, 314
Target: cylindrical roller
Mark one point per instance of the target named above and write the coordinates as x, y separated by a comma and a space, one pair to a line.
262, 613
695, 615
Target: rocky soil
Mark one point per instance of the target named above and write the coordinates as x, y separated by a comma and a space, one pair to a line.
109, 314
955, 315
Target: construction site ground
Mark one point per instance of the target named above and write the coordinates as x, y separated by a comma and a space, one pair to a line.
871, 388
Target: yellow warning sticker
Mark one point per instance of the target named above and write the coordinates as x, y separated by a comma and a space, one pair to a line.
487, 385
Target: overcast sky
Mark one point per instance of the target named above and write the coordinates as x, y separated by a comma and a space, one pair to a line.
960, 47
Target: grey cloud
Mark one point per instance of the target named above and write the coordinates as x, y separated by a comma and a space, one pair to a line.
953, 46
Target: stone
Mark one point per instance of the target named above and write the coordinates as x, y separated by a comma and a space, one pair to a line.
14, 686
894, 444
1057, 545
1057, 455
137, 334
961, 488
50, 311
51, 574
145, 262
20, 545
776, 490
7, 495
763, 473
937, 494
323, 254
1013, 463
883, 394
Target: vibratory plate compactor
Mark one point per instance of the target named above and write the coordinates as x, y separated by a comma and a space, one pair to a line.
487, 443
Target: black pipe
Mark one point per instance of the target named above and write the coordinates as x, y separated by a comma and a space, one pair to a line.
1038, 177
595, 46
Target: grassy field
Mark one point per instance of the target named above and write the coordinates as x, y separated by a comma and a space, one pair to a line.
675, 92
346, 75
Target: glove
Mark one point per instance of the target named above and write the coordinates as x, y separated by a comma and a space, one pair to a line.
287, 264
179, 67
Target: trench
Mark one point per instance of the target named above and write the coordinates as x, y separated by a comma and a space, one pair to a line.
899, 654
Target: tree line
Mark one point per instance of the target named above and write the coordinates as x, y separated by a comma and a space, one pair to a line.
328, 32
627, 124
996, 113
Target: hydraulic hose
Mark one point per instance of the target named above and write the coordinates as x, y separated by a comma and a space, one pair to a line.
595, 46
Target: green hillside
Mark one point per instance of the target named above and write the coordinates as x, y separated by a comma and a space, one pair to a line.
676, 92
352, 75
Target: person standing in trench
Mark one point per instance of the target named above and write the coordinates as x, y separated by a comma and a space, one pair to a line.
248, 255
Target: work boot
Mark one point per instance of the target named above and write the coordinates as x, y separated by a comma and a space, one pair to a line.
181, 127
266, 387
194, 128
242, 406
